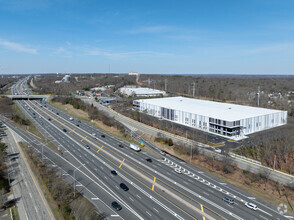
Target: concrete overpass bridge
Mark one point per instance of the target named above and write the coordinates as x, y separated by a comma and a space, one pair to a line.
28, 97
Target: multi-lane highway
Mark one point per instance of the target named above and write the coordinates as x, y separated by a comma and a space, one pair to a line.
156, 191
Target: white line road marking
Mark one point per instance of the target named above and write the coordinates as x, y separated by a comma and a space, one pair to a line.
205, 193
263, 217
131, 199
114, 215
148, 213
156, 210
138, 196
251, 197
95, 198
223, 184
264, 212
79, 185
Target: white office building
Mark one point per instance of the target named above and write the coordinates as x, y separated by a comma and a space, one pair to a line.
229, 120
141, 92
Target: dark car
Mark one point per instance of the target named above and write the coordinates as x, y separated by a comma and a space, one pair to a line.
79, 121
149, 160
116, 206
228, 200
78, 125
57, 113
113, 172
64, 129
120, 145
87, 146
124, 187
103, 135
49, 119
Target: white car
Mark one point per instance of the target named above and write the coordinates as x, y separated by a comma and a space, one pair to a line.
94, 134
251, 205
178, 170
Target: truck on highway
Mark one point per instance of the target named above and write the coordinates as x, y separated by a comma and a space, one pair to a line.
135, 147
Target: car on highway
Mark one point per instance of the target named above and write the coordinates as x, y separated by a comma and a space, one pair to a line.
113, 172
103, 135
149, 160
78, 125
178, 170
120, 145
228, 200
57, 113
124, 187
251, 205
116, 206
87, 146
94, 134
64, 129
49, 119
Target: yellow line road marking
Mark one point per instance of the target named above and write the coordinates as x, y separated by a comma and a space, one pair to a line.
84, 138
79, 134
202, 210
121, 163
99, 149
154, 179
153, 187
72, 130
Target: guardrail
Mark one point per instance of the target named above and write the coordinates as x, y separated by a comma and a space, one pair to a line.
244, 158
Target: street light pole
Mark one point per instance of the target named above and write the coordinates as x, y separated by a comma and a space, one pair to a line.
75, 179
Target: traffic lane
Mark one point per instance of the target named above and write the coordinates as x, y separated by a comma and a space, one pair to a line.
31, 140
265, 208
117, 169
69, 168
80, 155
65, 118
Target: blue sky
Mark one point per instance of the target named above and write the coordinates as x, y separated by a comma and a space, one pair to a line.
161, 36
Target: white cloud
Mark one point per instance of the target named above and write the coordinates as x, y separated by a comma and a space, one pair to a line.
271, 48
111, 54
149, 30
17, 47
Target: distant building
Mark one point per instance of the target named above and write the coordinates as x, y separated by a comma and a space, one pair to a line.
133, 73
228, 120
103, 88
141, 92
65, 79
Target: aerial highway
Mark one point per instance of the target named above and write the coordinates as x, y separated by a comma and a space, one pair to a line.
159, 186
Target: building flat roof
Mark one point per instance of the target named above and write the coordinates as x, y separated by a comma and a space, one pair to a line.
217, 110
143, 91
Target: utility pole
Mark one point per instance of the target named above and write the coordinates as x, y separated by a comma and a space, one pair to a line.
194, 89
149, 82
165, 82
258, 96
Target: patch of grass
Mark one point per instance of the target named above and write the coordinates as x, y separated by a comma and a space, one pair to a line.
13, 214
82, 115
